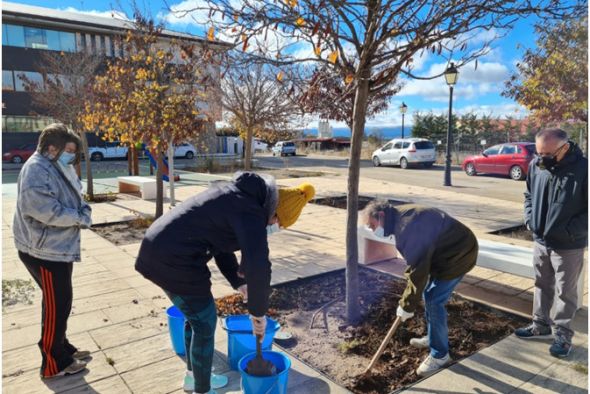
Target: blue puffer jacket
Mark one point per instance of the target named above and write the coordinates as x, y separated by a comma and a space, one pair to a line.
49, 212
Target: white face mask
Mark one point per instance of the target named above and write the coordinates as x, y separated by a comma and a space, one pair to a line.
272, 229
379, 232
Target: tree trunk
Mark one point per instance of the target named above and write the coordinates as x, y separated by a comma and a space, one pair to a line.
135, 160
358, 129
89, 179
159, 183
248, 150
129, 162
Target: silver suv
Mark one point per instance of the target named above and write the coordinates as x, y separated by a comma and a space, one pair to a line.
405, 152
284, 148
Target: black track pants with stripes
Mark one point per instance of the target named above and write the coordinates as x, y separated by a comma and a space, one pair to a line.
55, 280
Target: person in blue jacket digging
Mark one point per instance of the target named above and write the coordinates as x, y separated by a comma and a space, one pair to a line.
229, 216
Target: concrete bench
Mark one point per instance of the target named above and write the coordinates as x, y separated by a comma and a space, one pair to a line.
133, 184
515, 260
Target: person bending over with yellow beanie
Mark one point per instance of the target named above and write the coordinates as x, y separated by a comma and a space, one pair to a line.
230, 216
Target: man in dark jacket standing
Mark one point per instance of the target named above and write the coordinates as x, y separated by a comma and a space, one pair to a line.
229, 216
556, 211
439, 251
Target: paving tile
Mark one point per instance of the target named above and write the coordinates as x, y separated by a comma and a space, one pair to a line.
106, 300
114, 385
129, 331
30, 382
164, 377
141, 353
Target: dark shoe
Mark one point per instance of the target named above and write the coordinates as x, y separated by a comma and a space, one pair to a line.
81, 354
533, 331
561, 347
75, 367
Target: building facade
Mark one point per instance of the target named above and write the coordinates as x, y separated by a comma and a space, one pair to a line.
28, 32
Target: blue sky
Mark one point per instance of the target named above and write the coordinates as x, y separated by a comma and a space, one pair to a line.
476, 91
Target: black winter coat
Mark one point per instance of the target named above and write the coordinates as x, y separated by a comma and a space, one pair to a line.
229, 216
556, 201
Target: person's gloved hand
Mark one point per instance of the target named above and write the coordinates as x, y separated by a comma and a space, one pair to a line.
258, 326
243, 289
403, 314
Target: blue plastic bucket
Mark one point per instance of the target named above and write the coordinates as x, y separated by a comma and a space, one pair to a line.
240, 340
176, 329
276, 384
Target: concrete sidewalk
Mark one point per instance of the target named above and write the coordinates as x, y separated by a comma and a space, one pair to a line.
120, 316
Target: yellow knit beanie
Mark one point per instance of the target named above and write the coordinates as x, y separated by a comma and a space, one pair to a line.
291, 203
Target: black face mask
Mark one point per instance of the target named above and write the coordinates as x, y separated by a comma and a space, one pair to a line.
549, 161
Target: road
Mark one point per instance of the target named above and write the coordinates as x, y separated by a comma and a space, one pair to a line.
492, 186
481, 185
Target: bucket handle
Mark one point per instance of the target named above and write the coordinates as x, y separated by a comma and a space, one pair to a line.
277, 327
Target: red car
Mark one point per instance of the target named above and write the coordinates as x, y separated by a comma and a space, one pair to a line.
510, 159
19, 155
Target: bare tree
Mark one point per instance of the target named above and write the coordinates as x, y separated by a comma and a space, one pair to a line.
68, 79
256, 99
369, 43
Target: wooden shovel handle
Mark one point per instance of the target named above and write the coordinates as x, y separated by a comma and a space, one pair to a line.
390, 333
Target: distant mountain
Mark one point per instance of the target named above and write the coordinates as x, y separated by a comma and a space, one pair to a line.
387, 133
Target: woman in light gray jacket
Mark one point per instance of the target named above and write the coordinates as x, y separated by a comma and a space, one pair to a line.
49, 215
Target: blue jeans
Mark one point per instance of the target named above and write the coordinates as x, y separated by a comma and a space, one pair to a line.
199, 336
436, 295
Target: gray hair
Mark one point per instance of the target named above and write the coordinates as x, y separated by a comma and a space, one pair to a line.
554, 134
374, 207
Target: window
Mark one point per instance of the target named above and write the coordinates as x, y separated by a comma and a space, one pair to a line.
508, 150
397, 145
32, 77
493, 150
531, 149
25, 123
423, 145
67, 41
387, 147
7, 80
103, 46
15, 35
83, 40
35, 38
93, 43
406, 145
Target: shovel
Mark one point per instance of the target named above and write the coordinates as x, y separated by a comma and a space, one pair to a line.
390, 333
259, 366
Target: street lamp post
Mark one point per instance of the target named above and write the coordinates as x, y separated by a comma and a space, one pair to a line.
403, 109
451, 75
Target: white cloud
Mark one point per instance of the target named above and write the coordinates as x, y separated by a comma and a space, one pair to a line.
113, 14
488, 78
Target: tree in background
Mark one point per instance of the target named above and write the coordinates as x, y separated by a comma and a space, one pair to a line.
369, 44
331, 97
68, 79
552, 79
256, 99
150, 95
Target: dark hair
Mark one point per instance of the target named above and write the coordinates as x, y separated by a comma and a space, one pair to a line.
374, 207
58, 135
552, 134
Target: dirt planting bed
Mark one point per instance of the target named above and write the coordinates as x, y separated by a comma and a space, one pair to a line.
124, 233
340, 201
342, 352
516, 232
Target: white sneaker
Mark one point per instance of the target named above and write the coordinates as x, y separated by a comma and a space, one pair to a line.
420, 343
430, 365
217, 381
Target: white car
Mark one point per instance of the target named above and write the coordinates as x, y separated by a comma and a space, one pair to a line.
111, 150
405, 152
185, 150
284, 148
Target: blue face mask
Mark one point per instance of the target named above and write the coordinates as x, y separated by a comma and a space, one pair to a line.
66, 158
272, 229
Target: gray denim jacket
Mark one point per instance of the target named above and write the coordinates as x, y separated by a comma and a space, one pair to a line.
49, 213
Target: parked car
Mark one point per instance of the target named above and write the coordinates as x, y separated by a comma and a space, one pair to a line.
185, 150
20, 154
510, 159
111, 150
405, 152
284, 148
